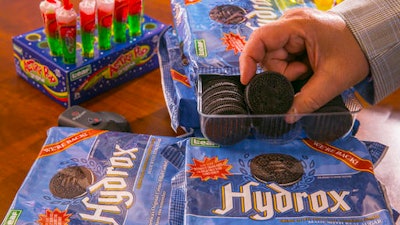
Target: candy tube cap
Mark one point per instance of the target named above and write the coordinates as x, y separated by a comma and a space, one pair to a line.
67, 5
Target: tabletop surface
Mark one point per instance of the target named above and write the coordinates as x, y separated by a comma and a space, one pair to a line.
26, 114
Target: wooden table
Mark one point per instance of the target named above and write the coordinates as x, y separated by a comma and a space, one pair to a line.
26, 114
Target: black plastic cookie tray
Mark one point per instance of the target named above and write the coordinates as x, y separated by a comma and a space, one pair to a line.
224, 122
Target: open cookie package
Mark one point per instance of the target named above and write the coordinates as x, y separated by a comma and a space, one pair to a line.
203, 48
228, 119
199, 60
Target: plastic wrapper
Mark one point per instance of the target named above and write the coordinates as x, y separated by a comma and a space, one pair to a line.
179, 93
84, 176
337, 184
213, 33
211, 36
96, 177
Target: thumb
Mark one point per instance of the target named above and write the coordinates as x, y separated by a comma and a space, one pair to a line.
318, 91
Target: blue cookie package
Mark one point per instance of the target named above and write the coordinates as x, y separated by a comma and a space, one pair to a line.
213, 33
208, 37
179, 93
218, 185
84, 176
122, 178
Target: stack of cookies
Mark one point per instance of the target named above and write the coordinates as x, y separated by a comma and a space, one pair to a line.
223, 95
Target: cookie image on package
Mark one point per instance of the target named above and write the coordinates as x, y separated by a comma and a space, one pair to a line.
269, 93
330, 122
282, 169
228, 14
71, 182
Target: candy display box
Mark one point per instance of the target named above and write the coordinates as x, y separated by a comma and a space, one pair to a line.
72, 84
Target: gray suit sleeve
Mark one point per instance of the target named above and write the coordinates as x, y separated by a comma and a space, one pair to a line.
376, 26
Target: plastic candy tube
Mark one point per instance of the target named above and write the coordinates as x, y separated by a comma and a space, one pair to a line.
105, 9
120, 20
135, 17
48, 9
66, 21
87, 12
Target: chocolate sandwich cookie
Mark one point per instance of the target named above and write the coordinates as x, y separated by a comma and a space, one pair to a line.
226, 130
228, 14
329, 122
71, 182
228, 101
282, 169
272, 127
223, 104
210, 82
222, 91
219, 90
269, 93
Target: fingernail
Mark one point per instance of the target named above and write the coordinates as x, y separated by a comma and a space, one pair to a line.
292, 116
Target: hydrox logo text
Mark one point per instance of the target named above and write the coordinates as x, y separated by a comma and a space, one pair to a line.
267, 204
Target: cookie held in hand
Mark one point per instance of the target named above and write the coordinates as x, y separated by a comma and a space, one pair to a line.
269, 93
